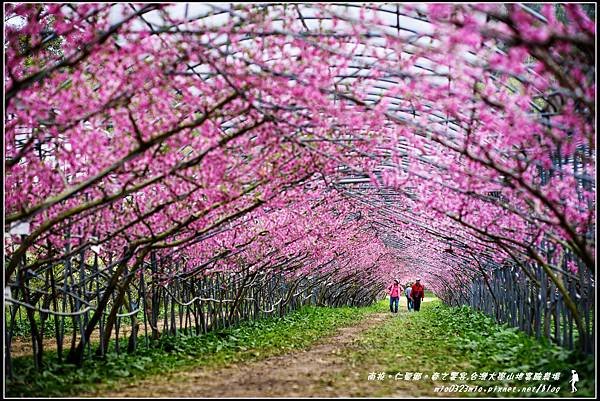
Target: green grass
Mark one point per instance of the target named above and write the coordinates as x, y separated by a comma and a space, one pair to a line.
446, 339
247, 341
436, 339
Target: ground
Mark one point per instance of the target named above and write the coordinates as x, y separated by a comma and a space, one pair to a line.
296, 374
332, 352
322, 370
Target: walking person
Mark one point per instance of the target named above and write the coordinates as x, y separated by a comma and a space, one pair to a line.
574, 379
394, 291
417, 295
407, 292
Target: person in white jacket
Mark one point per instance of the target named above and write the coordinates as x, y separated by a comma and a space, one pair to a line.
407, 292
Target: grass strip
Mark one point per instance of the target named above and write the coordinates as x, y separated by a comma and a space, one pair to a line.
447, 339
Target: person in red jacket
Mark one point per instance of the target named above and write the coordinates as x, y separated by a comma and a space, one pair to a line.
417, 294
394, 290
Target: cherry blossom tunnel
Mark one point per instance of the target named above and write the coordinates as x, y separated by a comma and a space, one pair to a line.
184, 167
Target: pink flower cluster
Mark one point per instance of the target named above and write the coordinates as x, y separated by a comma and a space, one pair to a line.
246, 144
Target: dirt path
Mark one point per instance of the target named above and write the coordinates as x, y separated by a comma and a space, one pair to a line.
304, 373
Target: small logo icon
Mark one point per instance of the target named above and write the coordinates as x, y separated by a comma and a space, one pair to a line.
574, 379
